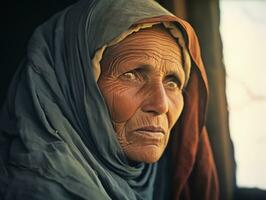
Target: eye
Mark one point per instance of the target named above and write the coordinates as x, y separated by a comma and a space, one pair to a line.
133, 75
172, 82
130, 76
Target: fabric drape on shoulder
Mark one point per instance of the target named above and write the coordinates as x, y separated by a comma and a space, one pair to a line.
57, 139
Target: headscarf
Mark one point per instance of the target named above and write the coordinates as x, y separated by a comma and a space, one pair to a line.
57, 139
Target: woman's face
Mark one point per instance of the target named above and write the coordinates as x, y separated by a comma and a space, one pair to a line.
141, 82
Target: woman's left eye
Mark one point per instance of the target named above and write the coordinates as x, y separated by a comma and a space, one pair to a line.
172, 84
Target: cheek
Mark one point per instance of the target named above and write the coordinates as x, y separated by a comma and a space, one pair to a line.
176, 105
120, 100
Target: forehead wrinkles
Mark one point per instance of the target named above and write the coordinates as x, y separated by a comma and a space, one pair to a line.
150, 50
153, 43
136, 58
155, 40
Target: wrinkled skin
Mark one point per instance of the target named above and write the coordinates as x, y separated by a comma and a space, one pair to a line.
141, 81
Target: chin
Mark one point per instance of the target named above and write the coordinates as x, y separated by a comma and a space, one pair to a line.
148, 154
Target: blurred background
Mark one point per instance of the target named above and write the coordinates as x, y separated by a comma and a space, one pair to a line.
232, 35
243, 31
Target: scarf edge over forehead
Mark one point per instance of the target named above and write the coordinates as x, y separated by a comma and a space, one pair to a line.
55, 122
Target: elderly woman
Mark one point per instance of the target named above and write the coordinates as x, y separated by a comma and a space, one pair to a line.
109, 103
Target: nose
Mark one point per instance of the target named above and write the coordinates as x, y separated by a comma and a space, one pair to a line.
156, 100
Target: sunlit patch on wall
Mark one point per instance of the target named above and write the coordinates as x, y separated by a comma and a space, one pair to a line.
243, 29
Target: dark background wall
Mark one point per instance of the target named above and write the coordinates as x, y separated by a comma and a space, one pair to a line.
18, 20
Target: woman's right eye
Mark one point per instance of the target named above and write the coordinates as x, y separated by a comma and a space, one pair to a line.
130, 76
135, 75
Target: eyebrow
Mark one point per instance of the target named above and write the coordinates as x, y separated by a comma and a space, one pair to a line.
173, 71
178, 72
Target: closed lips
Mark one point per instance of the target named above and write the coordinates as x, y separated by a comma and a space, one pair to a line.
151, 129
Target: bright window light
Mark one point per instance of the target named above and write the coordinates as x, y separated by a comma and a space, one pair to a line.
243, 29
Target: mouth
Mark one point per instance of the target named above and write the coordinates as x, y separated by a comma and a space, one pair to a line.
151, 130
148, 136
